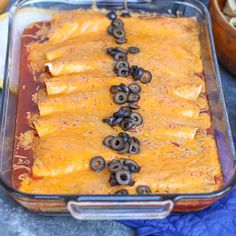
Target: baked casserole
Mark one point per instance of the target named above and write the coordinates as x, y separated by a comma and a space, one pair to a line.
118, 105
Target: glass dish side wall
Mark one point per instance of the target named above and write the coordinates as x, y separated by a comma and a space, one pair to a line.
54, 203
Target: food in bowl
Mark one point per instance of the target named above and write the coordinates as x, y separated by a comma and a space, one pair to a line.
229, 11
114, 103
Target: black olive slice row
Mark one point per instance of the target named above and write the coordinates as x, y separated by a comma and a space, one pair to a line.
122, 143
116, 28
121, 171
121, 97
125, 118
133, 88
125, 164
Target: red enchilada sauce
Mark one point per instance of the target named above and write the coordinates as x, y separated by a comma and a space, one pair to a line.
30, 83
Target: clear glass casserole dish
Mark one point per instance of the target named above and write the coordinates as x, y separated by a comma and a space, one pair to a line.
107, 206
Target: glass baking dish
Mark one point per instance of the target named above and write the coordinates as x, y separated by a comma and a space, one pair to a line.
107, 206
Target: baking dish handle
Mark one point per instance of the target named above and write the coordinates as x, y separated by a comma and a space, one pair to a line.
119, 210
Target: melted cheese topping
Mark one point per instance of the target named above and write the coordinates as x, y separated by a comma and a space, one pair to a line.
177, 154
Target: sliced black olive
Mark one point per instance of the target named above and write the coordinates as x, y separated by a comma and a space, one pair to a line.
118, 49
112, 180
139, 73
134, 106
112, 15
125, 14
125, 136
117, 121
123, 112
111, 51
133, 50
122, 161
134, 148
125, 168
118, 32
115, 166
136, 118
113, 161
120, 98
132, 183
110, 30
117, 143
122, 192
126, 124
121, 41
134, 71
97, 163
123, 72
120, 56
123, 177
125, 149
124, 88
146, 77
107, 141
135, 140
143, 189
109, 120
134, 88
117, 23
133, 98
133, 166
115, 88
120, 64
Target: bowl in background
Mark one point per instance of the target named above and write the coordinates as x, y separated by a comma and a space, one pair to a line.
224, 36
